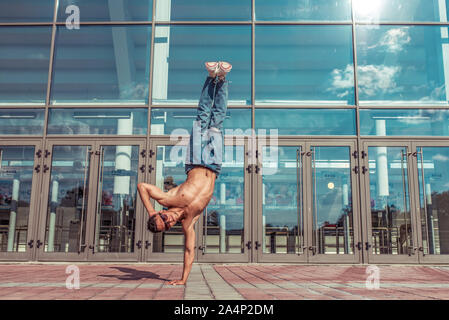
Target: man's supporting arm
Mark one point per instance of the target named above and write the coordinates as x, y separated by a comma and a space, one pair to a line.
189, 252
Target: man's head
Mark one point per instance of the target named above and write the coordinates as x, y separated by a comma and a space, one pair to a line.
163, 220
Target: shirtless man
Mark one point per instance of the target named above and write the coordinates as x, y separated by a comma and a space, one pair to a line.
187, 201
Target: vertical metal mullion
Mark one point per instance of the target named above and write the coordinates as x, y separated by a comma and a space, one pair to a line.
424, 201
404, 186
50, 67
81, 243
150, 84
253, 63
359, 146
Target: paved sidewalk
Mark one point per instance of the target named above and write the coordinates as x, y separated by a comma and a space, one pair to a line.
221, 282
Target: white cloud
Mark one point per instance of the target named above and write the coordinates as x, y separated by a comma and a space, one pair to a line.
394, 40
440, 157
373, 80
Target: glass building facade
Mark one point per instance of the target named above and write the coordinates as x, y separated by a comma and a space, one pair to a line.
336, 135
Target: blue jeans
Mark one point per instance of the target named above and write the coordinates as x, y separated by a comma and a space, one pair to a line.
206, 138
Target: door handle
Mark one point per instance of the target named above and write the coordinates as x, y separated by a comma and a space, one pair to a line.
142, 168
313, 249
46, 168
139, 244
37, 168
249, 245
249, 169
38, 244
31, 243
147, 244
257, 245
359, 246
367, 246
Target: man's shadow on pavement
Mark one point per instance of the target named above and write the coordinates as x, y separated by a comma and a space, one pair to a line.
132, 274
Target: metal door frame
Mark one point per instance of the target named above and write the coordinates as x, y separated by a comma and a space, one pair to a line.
425, 258
307, 256
41, 255
259, 256
86, 254
369, 257
33, 215
356, 257
117, 256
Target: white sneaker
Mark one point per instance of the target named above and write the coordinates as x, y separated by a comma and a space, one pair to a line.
223, 69
212, 68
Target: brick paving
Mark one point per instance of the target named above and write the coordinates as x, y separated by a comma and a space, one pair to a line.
31, 281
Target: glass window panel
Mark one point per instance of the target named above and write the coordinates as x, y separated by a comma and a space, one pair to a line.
401, 10
282, 200
165, 121
102, 64
115, 225
179, 56
333, 225
391, 227
26, 10
404, 122
433, 174
304, 65
297, 10
104, 10
22, 121
67, 209
98, 121
203, 10
16, 175
24, 63
402, 65
307, 121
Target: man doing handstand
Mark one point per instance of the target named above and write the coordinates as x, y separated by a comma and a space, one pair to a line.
187, 201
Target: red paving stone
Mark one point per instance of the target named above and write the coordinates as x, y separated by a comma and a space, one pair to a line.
252, 282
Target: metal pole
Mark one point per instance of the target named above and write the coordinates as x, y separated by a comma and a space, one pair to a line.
13, 213
52, 218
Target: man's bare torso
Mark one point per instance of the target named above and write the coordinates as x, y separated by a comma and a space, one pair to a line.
194, 194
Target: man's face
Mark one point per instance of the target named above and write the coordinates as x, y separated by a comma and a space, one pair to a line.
167, 220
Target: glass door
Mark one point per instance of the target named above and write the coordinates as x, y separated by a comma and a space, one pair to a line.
334, 219
68, 182
19, 189
281, 233
390, 220
117, 217
432, 179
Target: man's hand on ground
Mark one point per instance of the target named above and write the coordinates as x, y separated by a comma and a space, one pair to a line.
177, 282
